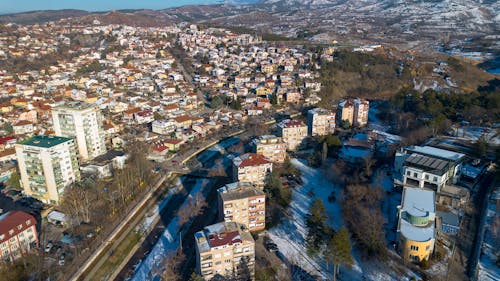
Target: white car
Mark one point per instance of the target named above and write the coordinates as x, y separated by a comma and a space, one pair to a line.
48, 247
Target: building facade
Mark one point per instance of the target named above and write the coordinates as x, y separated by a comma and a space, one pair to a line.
82, 122
293, 133
355, 111
47, 166
271, 147
416, 224
18, 235
225, 249
253, 168
243, 203
428, 167
320, 122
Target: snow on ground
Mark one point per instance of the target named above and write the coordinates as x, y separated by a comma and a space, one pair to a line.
374, 122
291, 233
157, 209
168, 243
488, 270
474, 133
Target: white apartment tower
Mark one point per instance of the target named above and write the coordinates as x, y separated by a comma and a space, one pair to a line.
47, 165
82, 122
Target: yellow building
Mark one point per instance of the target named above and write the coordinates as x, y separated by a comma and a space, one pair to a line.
416, 225
271, 147
293, 132
225, 249
243, 203
251, 167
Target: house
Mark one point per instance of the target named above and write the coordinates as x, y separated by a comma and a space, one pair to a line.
428, 167
449, 222
163, 127
173, 144
144, 116
23, 127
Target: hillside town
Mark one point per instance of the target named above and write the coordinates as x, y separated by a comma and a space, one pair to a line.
188, 152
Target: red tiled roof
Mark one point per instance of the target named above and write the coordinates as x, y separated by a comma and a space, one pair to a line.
250, 159
226, 238
11, 220
7, 139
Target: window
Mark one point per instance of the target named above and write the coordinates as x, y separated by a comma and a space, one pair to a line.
427, 248
414, 248
227, 261
435, 179
427, 177
408, 173
415, 175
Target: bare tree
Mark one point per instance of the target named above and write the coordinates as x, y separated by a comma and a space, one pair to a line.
172, 265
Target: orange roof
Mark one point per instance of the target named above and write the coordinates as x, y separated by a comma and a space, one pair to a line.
182, 119
250, 159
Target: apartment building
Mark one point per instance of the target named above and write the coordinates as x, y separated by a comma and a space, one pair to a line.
320, 122
428, 167
416, 224
82, 122
293, 133
18, 235
47, 165
225, 249
355, 111
243, 203
271, 147
253, 168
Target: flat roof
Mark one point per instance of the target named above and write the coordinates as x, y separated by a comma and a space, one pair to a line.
239, 190
428, 163
45, 141
417, 202
437, 152
76, 105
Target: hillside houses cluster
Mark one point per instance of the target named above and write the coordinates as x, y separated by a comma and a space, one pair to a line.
253, 73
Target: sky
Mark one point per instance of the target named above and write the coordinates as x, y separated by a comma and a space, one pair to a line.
14, 6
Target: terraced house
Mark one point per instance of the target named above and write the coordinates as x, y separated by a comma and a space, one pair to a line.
47, 165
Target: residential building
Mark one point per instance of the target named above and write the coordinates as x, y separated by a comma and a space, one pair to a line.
251, 167
47, 165
320, 122
293, 133
428, 167
243, 203
355, 111
416, 224
225, 249
18, 235
163, 127
271, 147
82, 122
23, 127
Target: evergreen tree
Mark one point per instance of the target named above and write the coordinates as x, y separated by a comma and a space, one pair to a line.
339, 251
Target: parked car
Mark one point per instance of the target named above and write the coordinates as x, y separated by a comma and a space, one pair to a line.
62, 259
49, 247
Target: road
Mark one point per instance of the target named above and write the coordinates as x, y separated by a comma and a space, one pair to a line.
97, 259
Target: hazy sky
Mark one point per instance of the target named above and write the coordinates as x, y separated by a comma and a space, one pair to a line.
13, 6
